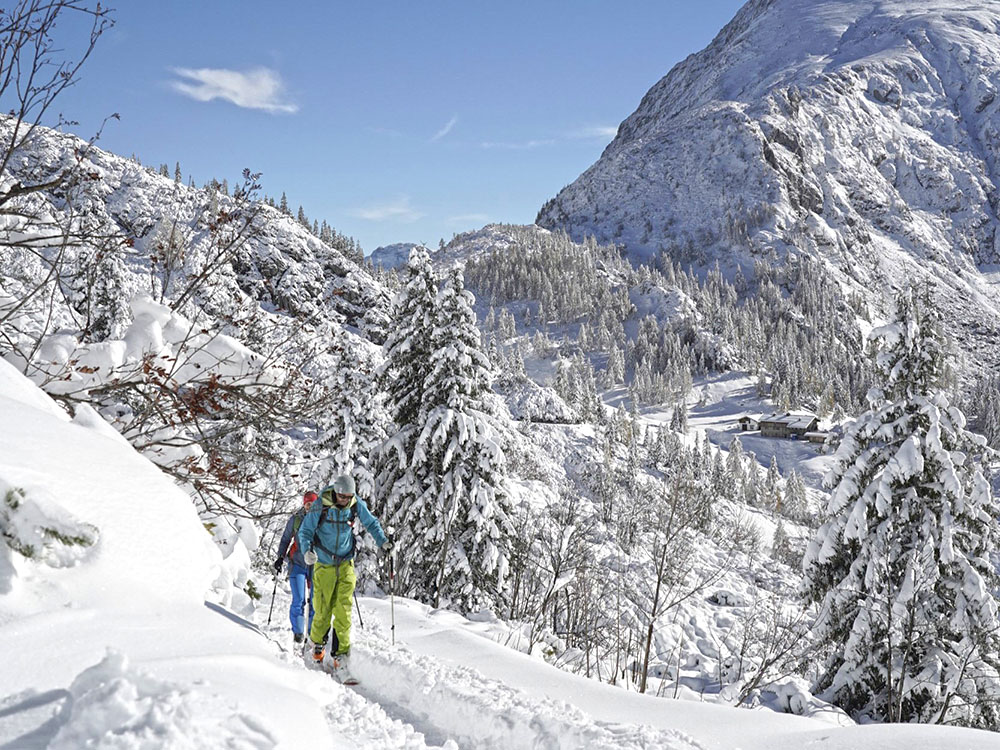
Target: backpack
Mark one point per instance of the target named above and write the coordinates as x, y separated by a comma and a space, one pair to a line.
294, 546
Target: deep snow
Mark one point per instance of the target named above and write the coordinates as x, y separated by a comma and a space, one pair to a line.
119, 648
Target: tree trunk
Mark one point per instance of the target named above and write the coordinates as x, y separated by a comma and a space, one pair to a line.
652, 618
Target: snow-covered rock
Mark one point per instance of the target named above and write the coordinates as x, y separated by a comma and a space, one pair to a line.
862, 132
392, 256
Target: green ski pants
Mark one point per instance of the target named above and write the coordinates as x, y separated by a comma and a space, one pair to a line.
333, 587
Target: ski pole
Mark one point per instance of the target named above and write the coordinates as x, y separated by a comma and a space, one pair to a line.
273, 593
358, 606
392, 597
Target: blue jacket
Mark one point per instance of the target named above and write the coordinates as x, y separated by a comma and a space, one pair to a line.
286, 538
336, 537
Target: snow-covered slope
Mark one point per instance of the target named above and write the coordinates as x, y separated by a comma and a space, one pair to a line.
863, 132
155, 235
117, 635
110, 644
392, 256
455, 680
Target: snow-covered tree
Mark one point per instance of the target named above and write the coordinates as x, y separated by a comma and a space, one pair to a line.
407, 350
459, 460
781, 547
734, 463
983, 404
679, 417
614, 372
773, 498
507, 326
796, 502
900, 568
107, 300
354, 426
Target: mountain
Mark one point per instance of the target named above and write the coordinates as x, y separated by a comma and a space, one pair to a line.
235, 249
864, 133
392, 256
207, 328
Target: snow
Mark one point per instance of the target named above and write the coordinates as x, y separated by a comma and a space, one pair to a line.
463, 666
120, 648
15, 387
122, 638
392, 256
866, 138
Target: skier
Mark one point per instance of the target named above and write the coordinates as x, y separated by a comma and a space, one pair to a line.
299, 573
327, 535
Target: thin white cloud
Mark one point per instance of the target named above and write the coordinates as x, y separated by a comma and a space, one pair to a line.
517, 145
590, 131
595, 131
446, 129
259, 88
399, 210
466, 219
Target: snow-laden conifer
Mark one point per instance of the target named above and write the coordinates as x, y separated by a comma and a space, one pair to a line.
407, 355
355, 424
796, 501
460, 462
900, 568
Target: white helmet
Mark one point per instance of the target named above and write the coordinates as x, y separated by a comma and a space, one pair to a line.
344, 485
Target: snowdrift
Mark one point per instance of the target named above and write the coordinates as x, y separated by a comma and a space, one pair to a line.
104, 627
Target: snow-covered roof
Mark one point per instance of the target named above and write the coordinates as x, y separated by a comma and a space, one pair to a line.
801, 420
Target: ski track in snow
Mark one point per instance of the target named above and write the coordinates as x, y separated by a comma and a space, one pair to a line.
352, 715
414, 701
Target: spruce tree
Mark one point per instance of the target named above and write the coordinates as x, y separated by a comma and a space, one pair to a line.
354, 426
734, 464
901, 566
460, 462
796, 501
407, 350
772, 487
110, 311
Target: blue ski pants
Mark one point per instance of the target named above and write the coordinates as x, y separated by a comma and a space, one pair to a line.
301, 582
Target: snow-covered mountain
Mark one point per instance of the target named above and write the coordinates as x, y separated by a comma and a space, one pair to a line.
862, 132
391, 256
139, 296
250, 252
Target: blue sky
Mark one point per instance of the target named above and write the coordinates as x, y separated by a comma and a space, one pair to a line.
394, 121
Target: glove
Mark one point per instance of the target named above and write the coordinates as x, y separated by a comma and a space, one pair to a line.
278, 563
387, 547
309, 557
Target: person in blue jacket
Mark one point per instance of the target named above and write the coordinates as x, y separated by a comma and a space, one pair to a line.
327, 536
299, 573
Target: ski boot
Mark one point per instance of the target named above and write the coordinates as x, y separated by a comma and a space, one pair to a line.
341, 669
